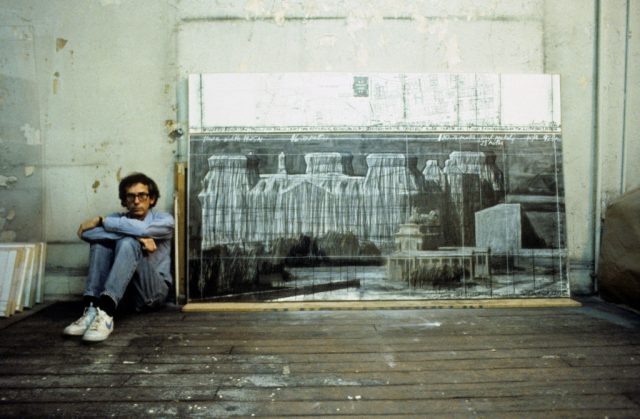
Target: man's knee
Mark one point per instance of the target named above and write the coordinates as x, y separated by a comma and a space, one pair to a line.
128, 244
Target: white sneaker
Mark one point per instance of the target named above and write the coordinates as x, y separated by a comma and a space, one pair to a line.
100, 329
81, 325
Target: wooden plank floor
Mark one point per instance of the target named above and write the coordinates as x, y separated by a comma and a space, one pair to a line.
516, 362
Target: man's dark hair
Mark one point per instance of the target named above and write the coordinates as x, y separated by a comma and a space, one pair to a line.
132, 179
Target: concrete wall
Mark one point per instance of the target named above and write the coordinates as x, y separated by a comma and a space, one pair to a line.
111, 81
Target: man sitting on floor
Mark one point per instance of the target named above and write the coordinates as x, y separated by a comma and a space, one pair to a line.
129, 252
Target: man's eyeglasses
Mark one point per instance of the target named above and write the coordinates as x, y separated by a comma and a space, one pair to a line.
142, 196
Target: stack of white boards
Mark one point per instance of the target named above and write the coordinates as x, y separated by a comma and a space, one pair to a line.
21, 276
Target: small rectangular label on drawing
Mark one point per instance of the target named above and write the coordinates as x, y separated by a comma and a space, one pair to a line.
360, 86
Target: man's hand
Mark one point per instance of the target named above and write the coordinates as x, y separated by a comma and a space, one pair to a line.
148, 244
89, 224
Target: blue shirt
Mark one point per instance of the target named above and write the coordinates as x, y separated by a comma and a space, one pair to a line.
156, 225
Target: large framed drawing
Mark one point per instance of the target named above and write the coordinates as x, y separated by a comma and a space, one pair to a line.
379, 186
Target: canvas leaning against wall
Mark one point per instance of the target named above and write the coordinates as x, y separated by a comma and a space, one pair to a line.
375, 187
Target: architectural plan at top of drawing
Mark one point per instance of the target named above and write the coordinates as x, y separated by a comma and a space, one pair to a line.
407, 211
403, 101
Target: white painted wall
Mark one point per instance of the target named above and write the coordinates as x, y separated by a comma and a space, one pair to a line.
106, 86
106, 94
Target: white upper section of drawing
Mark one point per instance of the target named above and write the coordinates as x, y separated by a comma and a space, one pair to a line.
374, 101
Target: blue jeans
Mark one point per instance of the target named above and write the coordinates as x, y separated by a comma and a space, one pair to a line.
116, 266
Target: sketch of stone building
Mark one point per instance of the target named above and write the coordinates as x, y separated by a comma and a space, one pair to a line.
471, 264
240, 204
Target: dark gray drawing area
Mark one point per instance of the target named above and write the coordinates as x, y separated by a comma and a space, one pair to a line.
375, 216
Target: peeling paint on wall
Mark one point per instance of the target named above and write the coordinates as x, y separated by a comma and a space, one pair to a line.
170, 125
254, 7
60, 44
173, 129
119, 174
95, 186
28, 170
6, 181
3, 219
7, 236
279, 17
56, 82
31, 134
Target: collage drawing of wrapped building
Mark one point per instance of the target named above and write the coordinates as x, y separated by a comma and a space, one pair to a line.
281, 216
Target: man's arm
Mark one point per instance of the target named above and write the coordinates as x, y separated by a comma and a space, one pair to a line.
98, 234
89, 225
157, 225
92, 230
